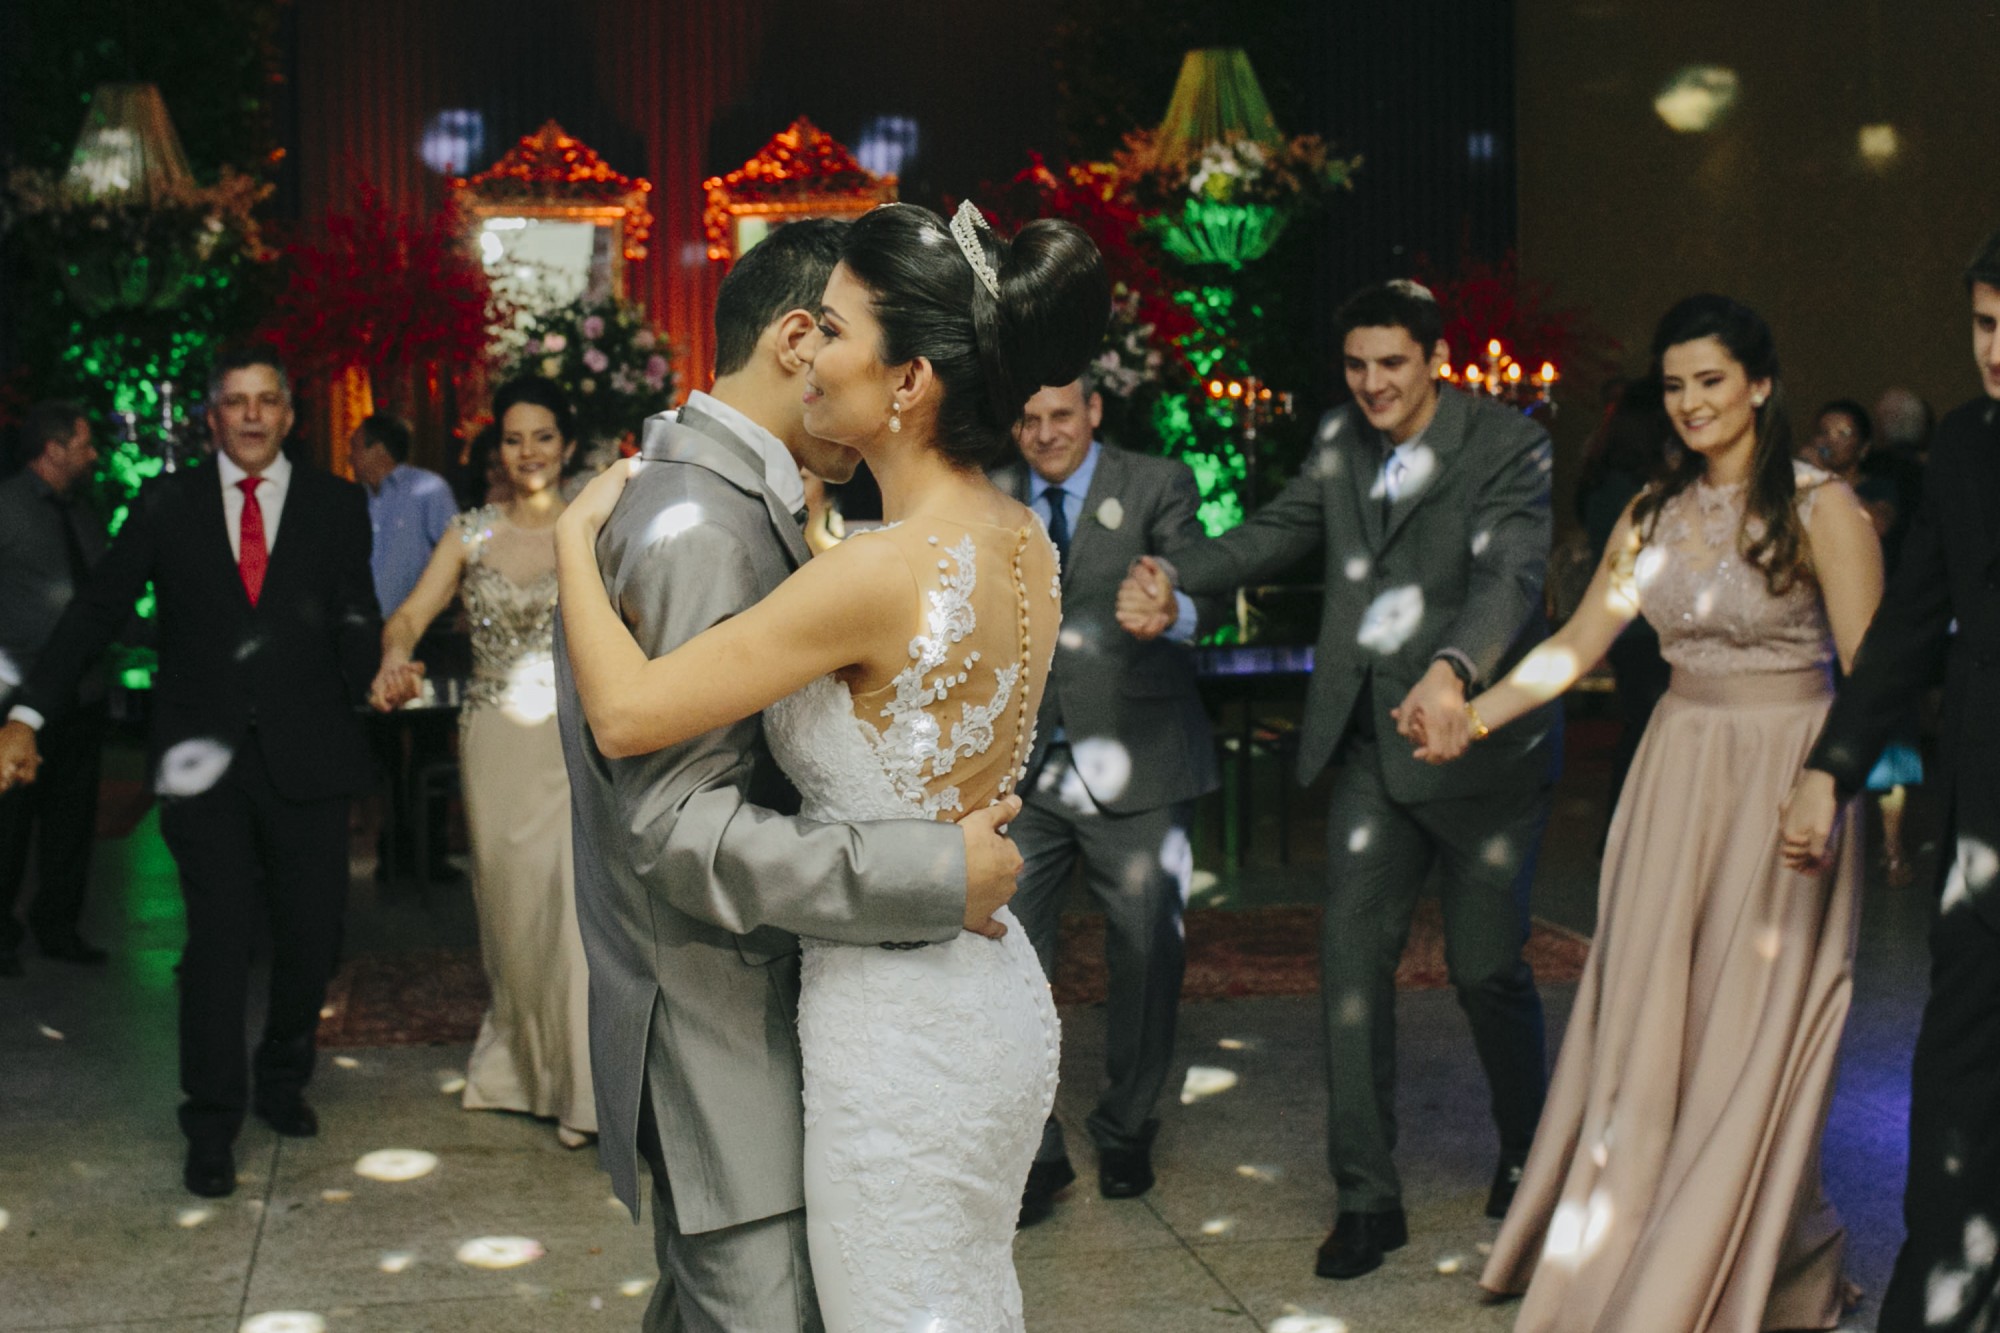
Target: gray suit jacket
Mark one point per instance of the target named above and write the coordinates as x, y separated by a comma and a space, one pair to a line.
35, 582
688, 894
1104, 685
1458, 564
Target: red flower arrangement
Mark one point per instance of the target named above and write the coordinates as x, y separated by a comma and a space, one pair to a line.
384, 291
1487, 301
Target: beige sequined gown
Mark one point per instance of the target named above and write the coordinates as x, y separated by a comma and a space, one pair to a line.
1675, 1180
928, 1072
533, 1051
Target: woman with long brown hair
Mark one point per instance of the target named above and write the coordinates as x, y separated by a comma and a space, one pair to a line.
1675, 1181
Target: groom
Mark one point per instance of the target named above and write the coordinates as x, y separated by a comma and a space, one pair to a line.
689, 887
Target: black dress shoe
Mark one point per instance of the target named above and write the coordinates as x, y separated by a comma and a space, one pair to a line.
1125, 1173
1506, 1180
10, 963
293, 1119
1358, 1242
75, 950
1045, 1181
210, 1171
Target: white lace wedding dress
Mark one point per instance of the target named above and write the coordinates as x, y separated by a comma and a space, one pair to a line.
928, 1071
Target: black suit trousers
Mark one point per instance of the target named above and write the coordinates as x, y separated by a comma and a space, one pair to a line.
1951, 1205
253, 866
58, 812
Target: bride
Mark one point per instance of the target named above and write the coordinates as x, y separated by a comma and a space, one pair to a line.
897, 673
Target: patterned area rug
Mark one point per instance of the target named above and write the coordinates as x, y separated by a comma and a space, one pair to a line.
437, 995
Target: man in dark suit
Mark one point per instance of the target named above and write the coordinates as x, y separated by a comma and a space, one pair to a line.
48, 542
1432, 508
1943, 602
268, 634
1123, 751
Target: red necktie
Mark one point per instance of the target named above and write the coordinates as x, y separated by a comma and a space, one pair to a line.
251, 554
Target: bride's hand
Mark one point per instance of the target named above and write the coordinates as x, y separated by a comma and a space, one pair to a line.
588, 512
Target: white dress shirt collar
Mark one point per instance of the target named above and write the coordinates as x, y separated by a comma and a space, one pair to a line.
781, 470
277, 483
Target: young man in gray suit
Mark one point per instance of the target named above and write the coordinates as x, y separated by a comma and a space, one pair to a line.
1123, 751
1432, 509
690, 887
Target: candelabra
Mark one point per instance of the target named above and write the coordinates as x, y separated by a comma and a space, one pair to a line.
172, 444
1506, 380
1256, 405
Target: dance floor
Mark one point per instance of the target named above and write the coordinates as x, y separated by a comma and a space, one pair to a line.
484, 1222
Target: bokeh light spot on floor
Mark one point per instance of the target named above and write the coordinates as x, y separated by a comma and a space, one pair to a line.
50, 1032
191, 1218
1450, 1264
1300, 1321
635, 1286
1218, 1226
285, 1321
396, 1164
1263, 1175
335, 1196
396, 1261
499, 1252
346, 1062
1204, 1081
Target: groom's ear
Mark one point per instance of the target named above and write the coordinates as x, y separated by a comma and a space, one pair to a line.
788, 333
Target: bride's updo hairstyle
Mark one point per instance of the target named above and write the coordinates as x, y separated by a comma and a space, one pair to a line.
990, 354
1779, 550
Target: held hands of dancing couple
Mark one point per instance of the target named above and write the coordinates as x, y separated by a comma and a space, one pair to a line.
845, 607
1434, 715
1441, 722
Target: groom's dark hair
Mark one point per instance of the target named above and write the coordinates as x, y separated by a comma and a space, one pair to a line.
787, 270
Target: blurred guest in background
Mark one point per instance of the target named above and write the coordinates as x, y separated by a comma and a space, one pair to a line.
533, 1052
1840, 443
410, 510
1123, 753
267, 628
48, 543
1629, 451
408, 507
480, 480
1895, 463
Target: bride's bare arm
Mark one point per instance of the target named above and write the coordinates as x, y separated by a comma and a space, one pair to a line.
837, 610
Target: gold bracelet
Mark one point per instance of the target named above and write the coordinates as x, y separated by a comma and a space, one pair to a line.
1480, 731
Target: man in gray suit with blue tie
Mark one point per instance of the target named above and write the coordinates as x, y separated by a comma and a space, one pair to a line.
691, 889
1122, 752
1431, 509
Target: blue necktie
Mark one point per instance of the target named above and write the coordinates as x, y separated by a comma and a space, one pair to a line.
1058, 521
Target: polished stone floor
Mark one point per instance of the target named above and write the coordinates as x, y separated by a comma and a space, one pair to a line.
96, 1232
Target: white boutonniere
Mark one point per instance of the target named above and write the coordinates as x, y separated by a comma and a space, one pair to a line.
1111, 513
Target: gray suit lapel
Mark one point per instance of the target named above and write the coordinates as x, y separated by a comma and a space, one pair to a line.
1362, 445
706, 442
1442, 441
1106, 482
